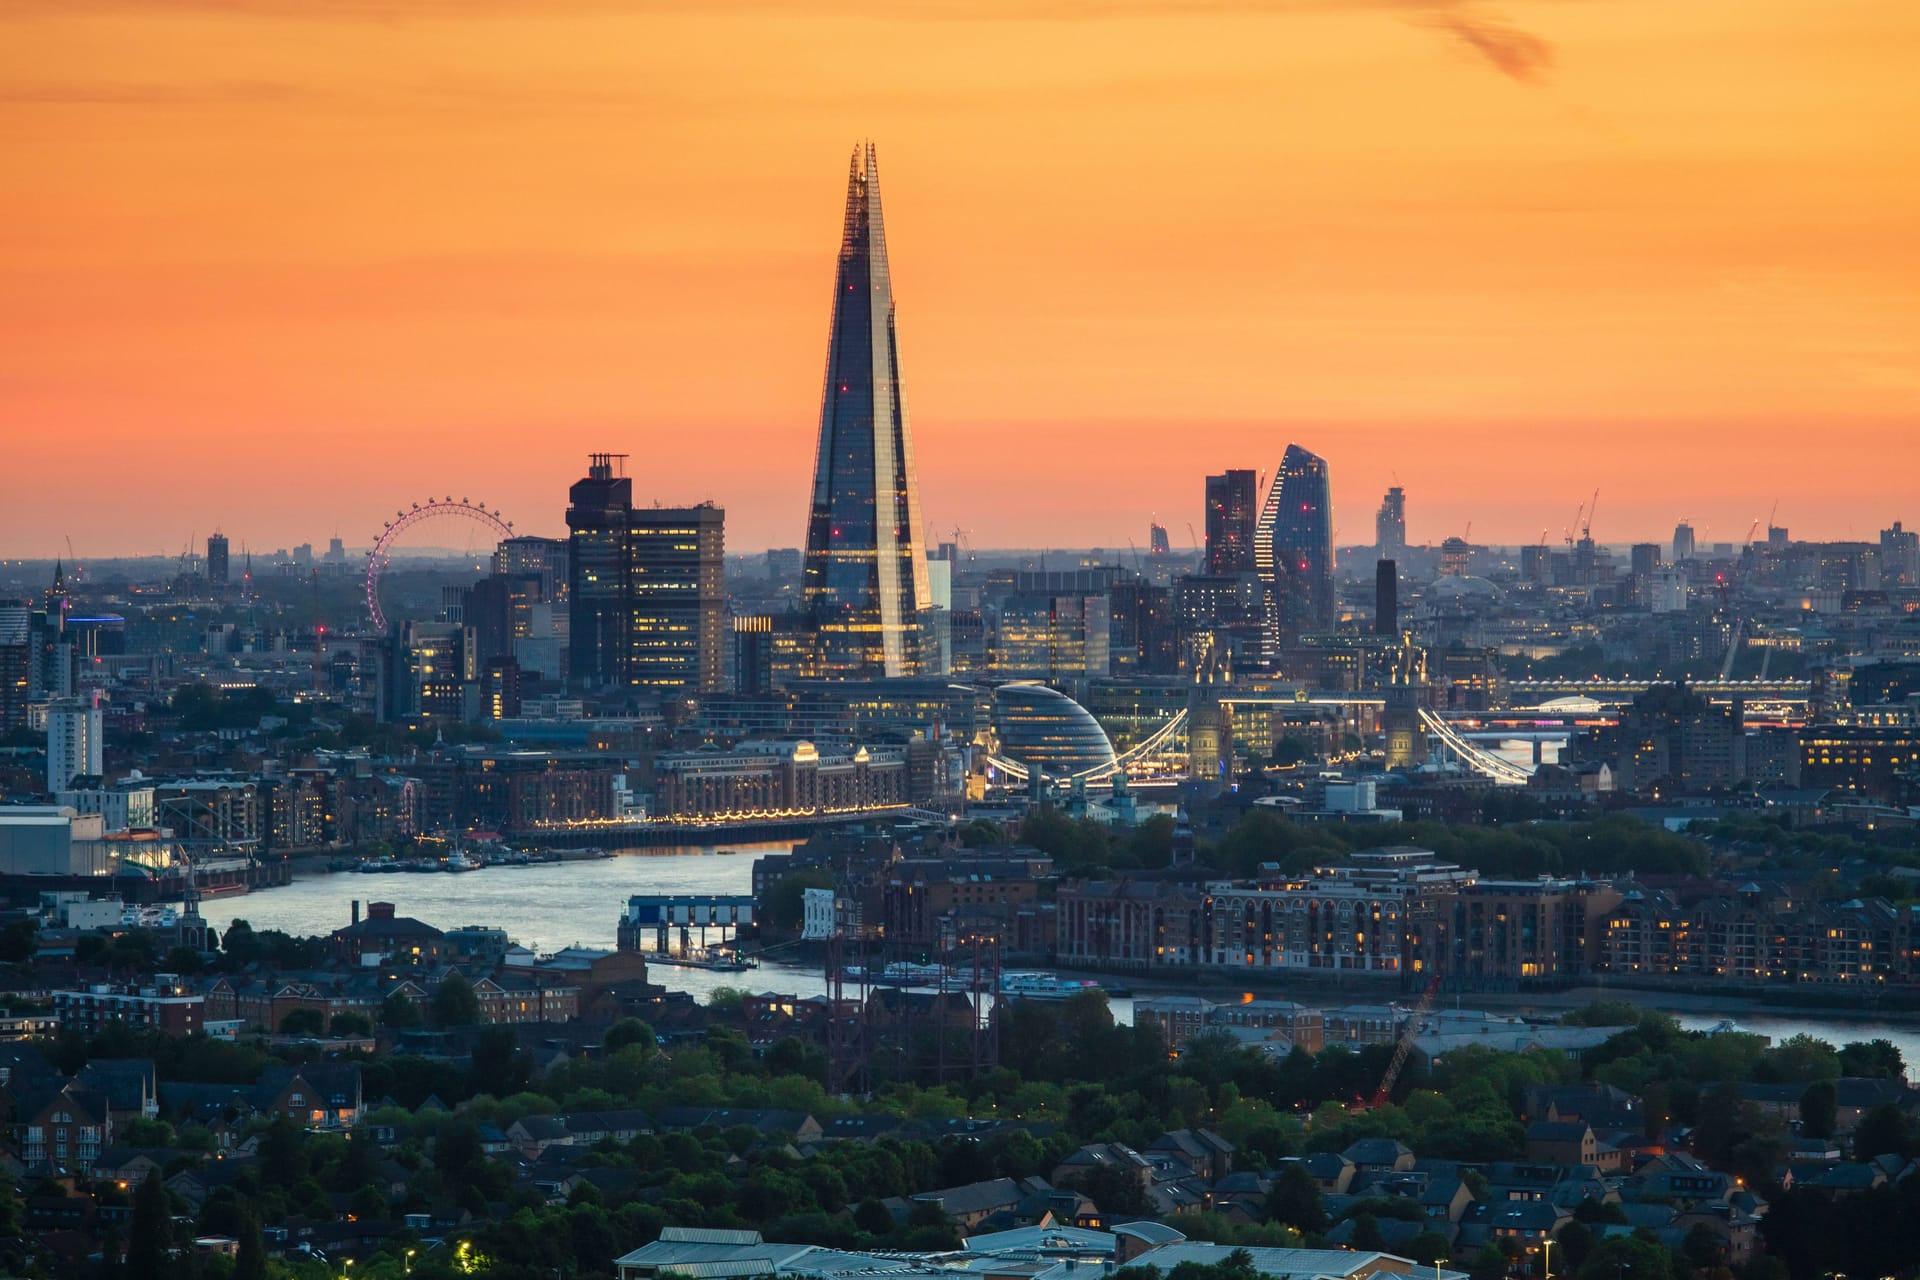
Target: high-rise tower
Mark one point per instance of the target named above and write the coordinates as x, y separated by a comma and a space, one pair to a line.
217, 559
1293, 548
647, 588
865, 574
1232, 499
1390, 524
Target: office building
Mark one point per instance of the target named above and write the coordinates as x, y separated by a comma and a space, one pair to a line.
677, 599
1048, 636
1157, 543
74, 742
1667, 589
597, 573
17, 665
217, 559
544, 558
429, 670
1295, 549
647, 587
1390, 524
1682, 542
865, 573
500, 609
1899, 557
784, 568
770, 651
1233, 502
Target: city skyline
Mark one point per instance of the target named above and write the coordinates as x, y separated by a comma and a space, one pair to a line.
1569, 252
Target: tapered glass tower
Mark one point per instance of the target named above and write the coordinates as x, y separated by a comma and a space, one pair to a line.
865, 575
1293, 549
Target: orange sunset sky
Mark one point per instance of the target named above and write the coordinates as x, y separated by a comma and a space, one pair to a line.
280, 266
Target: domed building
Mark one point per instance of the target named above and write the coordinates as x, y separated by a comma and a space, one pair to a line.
1045, 729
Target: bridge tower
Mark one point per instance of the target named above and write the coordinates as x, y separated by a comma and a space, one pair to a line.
1406, 695
1209, 726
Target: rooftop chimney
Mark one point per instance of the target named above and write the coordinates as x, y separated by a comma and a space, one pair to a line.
356, 911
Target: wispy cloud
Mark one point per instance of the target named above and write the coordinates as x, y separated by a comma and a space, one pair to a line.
1477, 28
131, 94
1515, 53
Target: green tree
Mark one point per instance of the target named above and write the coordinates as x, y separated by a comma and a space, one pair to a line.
785, 901
368, 1204
303, 1022
1295, 1200
1636, 1256
350, 1025
1879, 1059
399, 1011
1819, 1107
872, 1217
150, 1236
1114, 1189
1885, 1130
454, 1004
500, 1067
631, 1031
18, 941
250, 1263
1490, 1263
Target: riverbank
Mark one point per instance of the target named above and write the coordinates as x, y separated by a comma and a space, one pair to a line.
1332, 990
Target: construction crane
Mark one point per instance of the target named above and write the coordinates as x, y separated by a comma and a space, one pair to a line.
1404, 1050
1586, 530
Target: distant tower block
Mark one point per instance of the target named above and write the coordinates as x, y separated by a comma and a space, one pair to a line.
1386, 598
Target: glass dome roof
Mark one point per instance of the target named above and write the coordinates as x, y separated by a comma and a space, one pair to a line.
1044, 728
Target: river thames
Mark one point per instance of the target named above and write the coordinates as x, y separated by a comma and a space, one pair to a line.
552, 905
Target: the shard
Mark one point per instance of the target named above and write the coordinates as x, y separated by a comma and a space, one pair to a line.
865, 580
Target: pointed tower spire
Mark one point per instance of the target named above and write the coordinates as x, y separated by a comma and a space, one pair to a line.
866, 568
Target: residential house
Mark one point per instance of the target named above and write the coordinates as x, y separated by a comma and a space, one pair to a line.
1204, 1153
131, 1086
1380, 1155
66, 1133
1569, 1142
317, 1095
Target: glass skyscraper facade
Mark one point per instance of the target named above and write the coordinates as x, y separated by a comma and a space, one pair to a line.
647, 587
865, 572
1293, 548
597, 511
1231, 501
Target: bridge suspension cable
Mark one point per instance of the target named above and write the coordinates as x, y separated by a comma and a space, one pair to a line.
1501, 771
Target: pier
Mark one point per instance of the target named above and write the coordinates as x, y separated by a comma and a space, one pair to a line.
659, 915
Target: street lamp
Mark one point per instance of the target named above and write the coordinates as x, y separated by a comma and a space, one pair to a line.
346, 1268
1546, 1259
410, 1253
